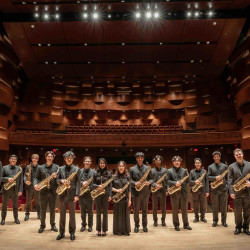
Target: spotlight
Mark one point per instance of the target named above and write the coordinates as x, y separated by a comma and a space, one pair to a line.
57, 16
210, 13
46, 16
137, 15
196, 14
189, 14
148, 14
95, 15
109, 16
36, 15
156, 14
85, 15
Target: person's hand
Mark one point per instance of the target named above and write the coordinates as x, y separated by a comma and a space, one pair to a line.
19, 193
157, 186
166, 193
138, 183
218, 178
147, 183
177, 184
76, 198
100, 187
36, 187
27, 183
197, 182
248, 184
85, 183
129, 203
119, 191
207, 194
54, 175
232, 196
10, 179
109, 199
63, 181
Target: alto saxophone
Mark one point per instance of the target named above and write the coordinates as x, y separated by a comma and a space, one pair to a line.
85, 189
118, 196
143, 181
154, 189
217, 183
45, 183
66, 185
9, 184
28, 174
196, 187
97, 192
241, 184
174, 188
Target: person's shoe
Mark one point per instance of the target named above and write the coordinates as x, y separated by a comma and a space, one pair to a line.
54, 228
246, 231
224, 224
2, 221
145, 229
99, 234
196, 220
72, 236
214, 224
104, 234
17, 221
82, 229
188, 227
90, 229
163, 223
237, 231
26, 217
155, 224
60, 236
41, 229
177, 228
136, 230
204, 220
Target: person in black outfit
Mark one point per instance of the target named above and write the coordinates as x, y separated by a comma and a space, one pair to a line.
219, 195
86, 201
161, 192
30, 191
237, 171
199, 197
8, 172
48, 194
121, 217
1, 166
102, 202
179, 198
70, 196
140, 198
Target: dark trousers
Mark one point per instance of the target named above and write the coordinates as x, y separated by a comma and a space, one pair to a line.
141, 200
240, 202
6, 195
64, 202
199, 200
29, 195
102, 205
219, 199
179, 199
44, 201
86, 205
156, 197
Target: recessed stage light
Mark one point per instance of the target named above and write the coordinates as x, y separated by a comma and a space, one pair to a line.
189, 13
156, 15
214, 23
95, 15
210, 13
196, 14
85, 15
148, 14
109, 16
36, 15
46, 16
138, 15
32, 26
57, 16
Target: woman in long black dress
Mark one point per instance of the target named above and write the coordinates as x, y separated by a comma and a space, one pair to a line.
121, 217
102, 202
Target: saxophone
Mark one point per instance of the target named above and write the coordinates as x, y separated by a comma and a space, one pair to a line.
45, 183
143, 181
217, 183
241, 184
66, 185
174, 188
154, 189
85, 189
9, 184
97, 192
196, 187
118, 196
28, 174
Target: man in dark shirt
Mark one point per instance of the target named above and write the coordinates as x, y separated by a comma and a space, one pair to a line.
157, 173
8, 172
140, 198
1, 171
86, 201
219, 195
175, 174
237, 171
30, 191
47, 194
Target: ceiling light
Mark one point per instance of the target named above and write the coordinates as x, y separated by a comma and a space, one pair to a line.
95, 15
57, 16
207, 42
148, 14
39, 44
32, 26
46, 62
85, 15
46, 16
156, 14
137, 15
36, 15
214, 23
210, 13
197, 13
189, 14
109, 16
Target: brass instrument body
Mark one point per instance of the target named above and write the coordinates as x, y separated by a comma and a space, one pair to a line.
86, 189
9, 184
174, 188
143, 181
159, 182
66, 185
217, 183
119, 196
45, 183
28, 174
196, 187
97, 192
241, 184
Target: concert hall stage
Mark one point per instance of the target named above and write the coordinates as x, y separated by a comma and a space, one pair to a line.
203, 236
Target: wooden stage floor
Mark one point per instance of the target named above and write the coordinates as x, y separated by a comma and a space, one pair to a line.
203, 236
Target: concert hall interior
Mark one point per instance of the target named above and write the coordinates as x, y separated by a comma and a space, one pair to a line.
114, 77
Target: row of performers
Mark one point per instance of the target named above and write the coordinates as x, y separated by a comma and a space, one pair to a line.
46, 181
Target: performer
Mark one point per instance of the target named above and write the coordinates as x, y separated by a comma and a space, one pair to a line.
219, 195
102, 202
86, 201
179, 198
157, 173
1, 166
68, 174
30, 190
239, 172
8, 172
47, 194
199, 196
121, 217
140, 198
